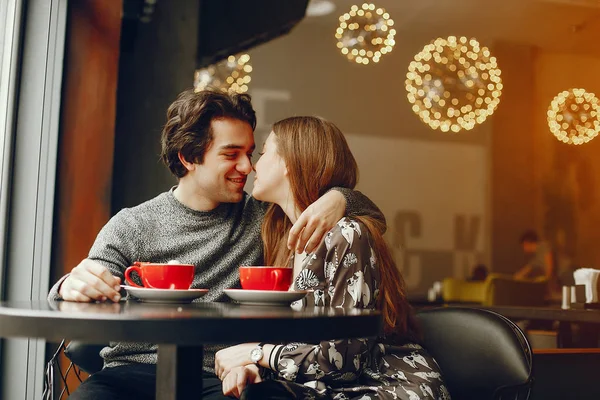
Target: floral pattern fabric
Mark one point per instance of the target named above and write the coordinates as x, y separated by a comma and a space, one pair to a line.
343, 272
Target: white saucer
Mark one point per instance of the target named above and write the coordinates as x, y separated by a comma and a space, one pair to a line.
265, 297
164, 295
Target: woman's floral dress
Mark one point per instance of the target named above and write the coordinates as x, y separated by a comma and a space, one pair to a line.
343, 272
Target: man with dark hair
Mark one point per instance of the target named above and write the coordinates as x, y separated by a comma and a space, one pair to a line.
206, 220
188, 130
539, 258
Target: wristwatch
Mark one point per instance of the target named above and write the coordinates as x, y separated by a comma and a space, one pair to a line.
256, 354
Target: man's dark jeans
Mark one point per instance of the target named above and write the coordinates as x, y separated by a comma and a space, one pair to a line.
136, 381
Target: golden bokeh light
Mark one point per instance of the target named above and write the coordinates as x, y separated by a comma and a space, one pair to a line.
454, 84
573, 116
229, 75
365, 34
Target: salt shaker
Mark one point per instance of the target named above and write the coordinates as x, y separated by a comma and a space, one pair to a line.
566, 298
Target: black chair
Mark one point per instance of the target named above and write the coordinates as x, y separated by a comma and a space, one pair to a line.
482, 354
85, 355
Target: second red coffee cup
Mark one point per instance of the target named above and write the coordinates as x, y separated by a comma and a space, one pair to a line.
265, 278
161, 276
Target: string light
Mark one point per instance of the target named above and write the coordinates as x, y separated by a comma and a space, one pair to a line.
365, 33
573, 116
454, 84
229, 75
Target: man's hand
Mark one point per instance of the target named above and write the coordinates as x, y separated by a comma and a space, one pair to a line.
90, 281
238, 378
232, 357
308, 231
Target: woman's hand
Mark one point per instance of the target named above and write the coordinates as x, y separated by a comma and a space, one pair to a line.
232, 357
238, 378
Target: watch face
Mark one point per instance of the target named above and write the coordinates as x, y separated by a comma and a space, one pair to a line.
256, 354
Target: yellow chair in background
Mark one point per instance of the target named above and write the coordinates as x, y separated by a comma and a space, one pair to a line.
496, 290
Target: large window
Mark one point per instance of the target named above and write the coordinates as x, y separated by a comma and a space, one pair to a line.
31, 61
10, 18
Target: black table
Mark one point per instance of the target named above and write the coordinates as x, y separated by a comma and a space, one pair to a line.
588, 321
181, 330
547, 313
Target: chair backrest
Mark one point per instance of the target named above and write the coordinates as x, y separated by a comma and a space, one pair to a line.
482, 354
507, 291
85, 355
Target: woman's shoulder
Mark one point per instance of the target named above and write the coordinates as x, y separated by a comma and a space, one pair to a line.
346, 223
347, 231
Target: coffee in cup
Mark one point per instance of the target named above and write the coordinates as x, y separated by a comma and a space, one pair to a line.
265, 278
161, 276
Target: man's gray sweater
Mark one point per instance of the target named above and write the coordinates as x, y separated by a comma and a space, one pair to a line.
217, 242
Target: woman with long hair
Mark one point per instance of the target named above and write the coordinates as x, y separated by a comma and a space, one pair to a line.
303, 158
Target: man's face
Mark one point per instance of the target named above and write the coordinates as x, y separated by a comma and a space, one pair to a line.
227, 163
529, 247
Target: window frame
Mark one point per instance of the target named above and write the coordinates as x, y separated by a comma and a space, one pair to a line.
30, 99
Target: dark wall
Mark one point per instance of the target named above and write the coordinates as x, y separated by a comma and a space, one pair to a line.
87, 128
512, 150
566, 376
157, 62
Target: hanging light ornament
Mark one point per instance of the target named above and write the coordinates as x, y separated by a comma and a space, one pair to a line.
365, 34
573, 116
454, 84
229, 75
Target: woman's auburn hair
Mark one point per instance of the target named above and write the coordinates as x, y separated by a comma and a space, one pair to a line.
317, 158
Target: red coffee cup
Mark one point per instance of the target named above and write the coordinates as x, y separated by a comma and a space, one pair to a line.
265, 278
161, 276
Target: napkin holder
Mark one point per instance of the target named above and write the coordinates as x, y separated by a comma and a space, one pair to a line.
578, 299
